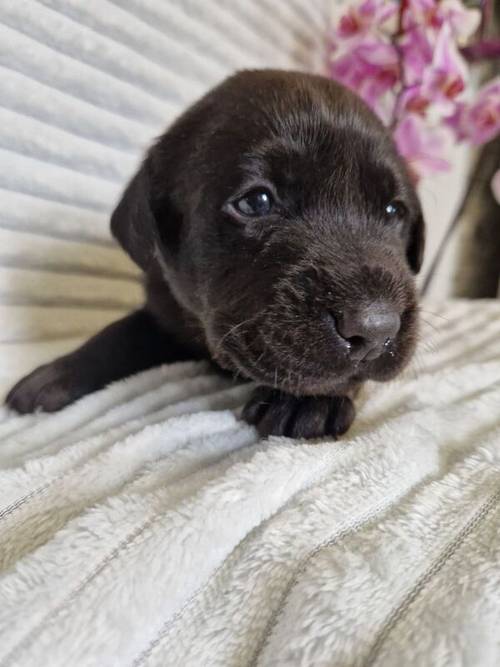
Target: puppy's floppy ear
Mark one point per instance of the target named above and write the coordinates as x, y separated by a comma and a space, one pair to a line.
415, 251
133, 223
145, 218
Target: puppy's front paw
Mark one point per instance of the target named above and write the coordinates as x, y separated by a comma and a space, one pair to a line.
48, 388
276, 413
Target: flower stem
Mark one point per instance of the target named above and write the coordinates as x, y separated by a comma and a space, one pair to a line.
486, 49
403, 7
486, 16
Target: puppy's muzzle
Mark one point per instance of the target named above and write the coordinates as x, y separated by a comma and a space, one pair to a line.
368, 331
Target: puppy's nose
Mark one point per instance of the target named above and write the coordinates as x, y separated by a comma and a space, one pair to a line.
369, 330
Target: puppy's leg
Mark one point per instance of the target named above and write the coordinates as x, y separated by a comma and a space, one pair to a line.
276, 413
125, 347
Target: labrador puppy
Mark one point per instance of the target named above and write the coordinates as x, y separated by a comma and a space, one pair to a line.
279, 233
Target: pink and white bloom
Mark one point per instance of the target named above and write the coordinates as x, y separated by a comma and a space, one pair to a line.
479, 121
371, 69
438, 82
368, 16
455, 121
447, 77
417, 53
431, 15
463, 21
423, 147
482, 118
422, 14
403, 58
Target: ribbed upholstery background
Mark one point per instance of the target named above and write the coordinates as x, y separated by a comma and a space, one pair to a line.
84, 87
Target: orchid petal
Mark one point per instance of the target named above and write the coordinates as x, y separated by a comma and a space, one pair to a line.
463, 21
423, 147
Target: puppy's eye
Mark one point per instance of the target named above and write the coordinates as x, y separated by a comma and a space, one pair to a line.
254, 204
395, 210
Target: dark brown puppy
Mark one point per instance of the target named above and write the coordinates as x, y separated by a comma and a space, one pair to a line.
279, 233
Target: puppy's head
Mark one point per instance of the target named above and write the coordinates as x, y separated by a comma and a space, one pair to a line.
284, 220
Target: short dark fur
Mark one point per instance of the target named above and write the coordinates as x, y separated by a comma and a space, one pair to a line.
256, 296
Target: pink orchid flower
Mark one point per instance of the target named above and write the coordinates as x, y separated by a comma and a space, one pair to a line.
368, 15
447, 77
371, 69
422, 14
430, 15
438, 81
403, 58
482, 118
455, 121
417, 52
413, 99
463, 21
479, 121
422, 146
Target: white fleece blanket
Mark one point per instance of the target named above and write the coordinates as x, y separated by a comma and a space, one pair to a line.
146, 525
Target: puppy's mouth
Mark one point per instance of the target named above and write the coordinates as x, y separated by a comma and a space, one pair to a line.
313, 360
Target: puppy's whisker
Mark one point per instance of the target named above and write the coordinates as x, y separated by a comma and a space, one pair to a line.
429, 324
430, 312
234, 328
231, 332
